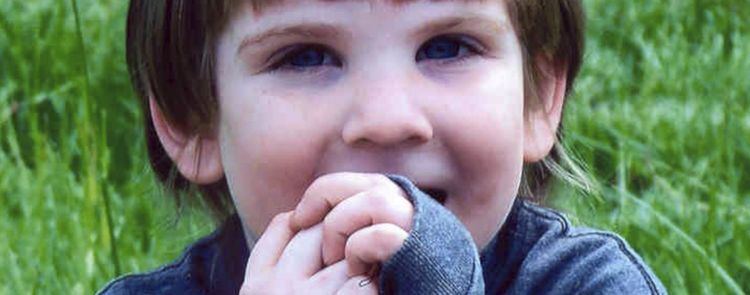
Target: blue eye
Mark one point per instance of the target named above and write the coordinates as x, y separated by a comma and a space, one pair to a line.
440, 49
445, 47
308, 56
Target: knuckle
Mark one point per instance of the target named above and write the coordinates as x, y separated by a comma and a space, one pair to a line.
280, 218
349, 249
389, 208
378, 242
331, 178
404, 209
327, 179
387, 233
355, 241
321, 183
329, 224
382, 231
381, 179
376, 197
316, 186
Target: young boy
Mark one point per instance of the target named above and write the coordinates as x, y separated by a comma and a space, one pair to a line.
368, 146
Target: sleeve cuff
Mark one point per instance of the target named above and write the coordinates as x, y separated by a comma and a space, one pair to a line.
438, 257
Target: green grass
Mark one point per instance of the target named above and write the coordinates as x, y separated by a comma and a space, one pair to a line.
661, 117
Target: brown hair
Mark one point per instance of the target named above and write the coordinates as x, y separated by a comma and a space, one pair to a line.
170, 54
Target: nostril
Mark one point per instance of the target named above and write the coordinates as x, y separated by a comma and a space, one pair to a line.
367, 143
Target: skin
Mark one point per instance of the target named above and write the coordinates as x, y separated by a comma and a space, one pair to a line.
308, 144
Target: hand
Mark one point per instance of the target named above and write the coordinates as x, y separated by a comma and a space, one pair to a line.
285, 262
365, 217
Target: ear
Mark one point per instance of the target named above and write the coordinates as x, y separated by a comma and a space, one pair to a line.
197, 158
542, 122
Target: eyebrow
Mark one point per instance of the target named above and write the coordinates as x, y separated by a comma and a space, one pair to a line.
308, 30
462, 22
318, 30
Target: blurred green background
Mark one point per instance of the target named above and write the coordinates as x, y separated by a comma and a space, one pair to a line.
661, 118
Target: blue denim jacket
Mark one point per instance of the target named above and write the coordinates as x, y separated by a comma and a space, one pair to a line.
536, 251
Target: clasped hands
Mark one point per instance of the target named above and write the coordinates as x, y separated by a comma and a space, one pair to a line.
332, 242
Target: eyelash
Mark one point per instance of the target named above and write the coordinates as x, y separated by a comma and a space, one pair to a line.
472, 46
281, 61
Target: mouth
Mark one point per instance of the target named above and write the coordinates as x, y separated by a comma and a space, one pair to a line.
437, 194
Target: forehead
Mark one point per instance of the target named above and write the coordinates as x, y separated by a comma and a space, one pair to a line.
299, 10
253, 22
264, 18
259, 6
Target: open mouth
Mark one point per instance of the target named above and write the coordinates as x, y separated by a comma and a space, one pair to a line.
439, 195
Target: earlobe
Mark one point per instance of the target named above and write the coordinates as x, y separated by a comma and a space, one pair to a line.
197, 158
542, 121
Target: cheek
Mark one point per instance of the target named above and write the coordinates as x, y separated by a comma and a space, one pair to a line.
483, 126
487, 139
486, 125
265, 167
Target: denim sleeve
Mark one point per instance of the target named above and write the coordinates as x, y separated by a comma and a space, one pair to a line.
438, 257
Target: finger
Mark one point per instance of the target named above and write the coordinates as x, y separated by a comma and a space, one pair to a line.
373, 244
362, 210
302, 256
359, 285
270, 246
331, 278
328, 190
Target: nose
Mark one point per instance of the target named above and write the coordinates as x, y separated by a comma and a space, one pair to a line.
385, 115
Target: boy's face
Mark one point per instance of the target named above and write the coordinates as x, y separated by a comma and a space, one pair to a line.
432, 90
